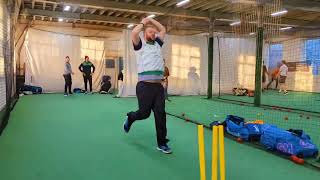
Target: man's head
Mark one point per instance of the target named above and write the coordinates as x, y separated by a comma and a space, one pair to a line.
86, 58
284, 62
150, 33
67, 59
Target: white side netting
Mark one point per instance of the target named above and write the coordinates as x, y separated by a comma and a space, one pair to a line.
234, 64
44, 53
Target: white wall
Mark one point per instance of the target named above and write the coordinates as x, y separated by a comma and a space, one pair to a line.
294, 51
110, 43
237, 64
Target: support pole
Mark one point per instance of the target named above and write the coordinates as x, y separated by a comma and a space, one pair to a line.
259, 52
210, 61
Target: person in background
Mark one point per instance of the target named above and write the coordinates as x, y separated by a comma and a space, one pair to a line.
67, 76
166, 74
87, 69
265, 74
283, 76
149, 89
193, 85
274, 77
105, 84
120, 84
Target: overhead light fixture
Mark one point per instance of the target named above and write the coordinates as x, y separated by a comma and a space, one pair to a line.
183, 2
285, 28
235, 23
60, 19
130, 25
67, 8
151, 16
279, 13
227, 20
251, 34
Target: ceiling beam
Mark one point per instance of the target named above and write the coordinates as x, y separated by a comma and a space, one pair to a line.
304, 5
171, 3
111, 13
160, 2
63, 24
193, 3
150, 1
198, 6
54, 6
179, 24
93, 11
228, 17
112, 19
213, 5
218, 7
70, 15
102, 11
138, 8
139, 1
127, 15
119, 14
74, 8
84, 10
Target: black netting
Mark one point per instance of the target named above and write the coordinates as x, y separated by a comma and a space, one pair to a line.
7, 77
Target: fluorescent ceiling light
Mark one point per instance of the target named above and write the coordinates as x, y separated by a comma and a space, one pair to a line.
151, 16
130, 25
66, 8
183, 2
60, 19
235, 23
279, 13
285, 28
251, 34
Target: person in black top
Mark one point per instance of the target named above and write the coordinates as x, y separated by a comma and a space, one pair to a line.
85, 68
105, 84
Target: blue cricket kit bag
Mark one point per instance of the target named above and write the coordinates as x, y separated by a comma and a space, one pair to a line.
291, 142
